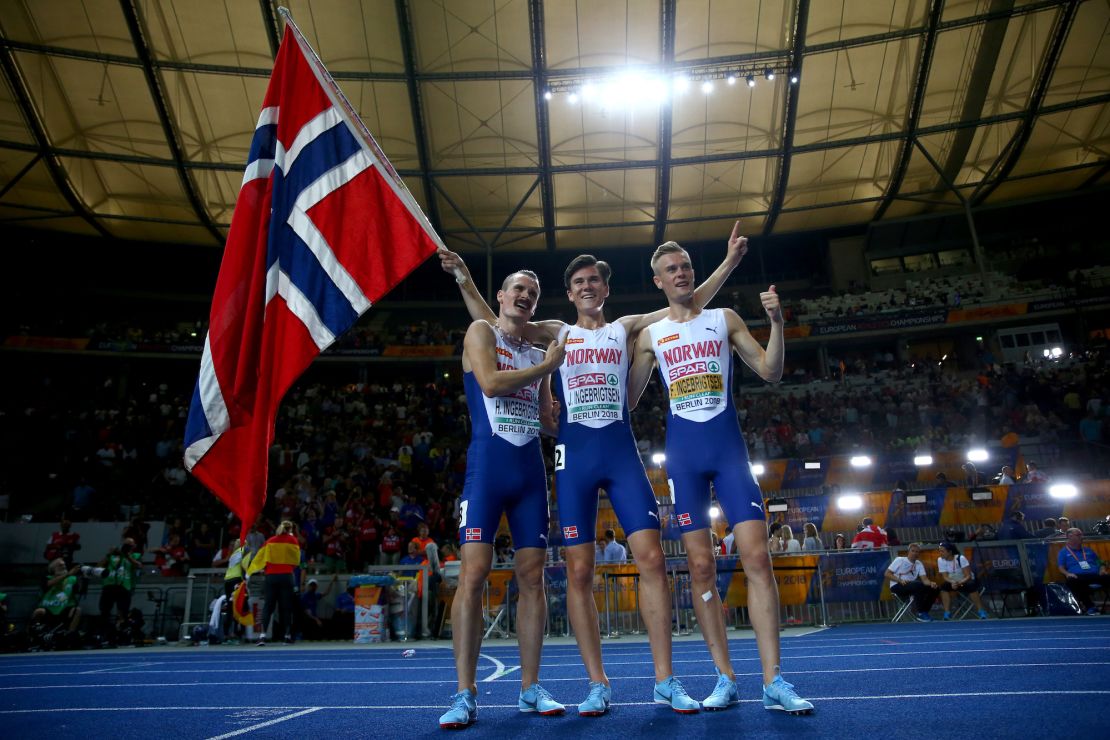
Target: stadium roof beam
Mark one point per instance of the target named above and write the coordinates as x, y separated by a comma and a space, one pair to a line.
543, 134
138, 38
667, 13
801, 16
1064, 19
272, 25
913, 114
42, 144
978, 86
404, 24
1100, 99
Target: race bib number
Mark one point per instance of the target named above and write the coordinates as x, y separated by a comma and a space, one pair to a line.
560, 457
462, 513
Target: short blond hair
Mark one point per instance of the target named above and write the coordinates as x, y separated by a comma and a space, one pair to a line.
664, 249
287, 527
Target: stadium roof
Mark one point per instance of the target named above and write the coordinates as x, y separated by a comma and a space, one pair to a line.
133, 118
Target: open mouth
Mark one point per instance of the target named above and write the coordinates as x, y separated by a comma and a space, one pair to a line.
523, 305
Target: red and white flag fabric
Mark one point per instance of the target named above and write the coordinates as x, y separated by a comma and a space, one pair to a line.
322, 228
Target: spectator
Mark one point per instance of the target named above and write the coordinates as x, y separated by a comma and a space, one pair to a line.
1082, 569
1006, 476
1090, 428
984, 532
908, 579
943, 482
278, 558
503, 552
414, 556
63, 544
774, 537
172, 558
972, 478
955, 570
1014, 528
869, 536
612, 551
840, 542
1033, 474
312, 627
422, 539
391, 546
1063, 524
369, 529
789, 544
1048, 530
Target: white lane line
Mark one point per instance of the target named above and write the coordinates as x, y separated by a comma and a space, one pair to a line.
267, 723
438, 707
499, 668
549, 679
120, 667
577, 662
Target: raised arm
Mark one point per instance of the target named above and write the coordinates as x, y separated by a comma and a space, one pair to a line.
767, 363
476, 305
737, 248
480, 357
643, 361
479, 310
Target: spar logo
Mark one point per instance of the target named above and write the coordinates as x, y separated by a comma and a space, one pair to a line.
575, 340
692, 368
611, 379
664, 340
473, 534
504, 352
684, 520
586, 379
570, 533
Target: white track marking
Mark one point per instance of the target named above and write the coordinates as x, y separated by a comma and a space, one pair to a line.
437, 707
499, 668
807, 671
267, 723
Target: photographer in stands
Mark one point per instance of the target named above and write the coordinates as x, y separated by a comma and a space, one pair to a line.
121, 570
58, 606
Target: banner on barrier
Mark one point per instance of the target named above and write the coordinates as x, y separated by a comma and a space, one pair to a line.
851, 576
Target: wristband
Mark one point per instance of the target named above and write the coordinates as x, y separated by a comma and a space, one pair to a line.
461, 279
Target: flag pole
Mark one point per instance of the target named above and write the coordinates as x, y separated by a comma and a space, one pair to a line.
354, 122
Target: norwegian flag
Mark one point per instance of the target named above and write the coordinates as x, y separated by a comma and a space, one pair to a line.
322, 228
570, 533
473, 534
684, 520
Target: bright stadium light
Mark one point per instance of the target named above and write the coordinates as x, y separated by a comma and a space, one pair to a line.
849, 502
922, 460
751, 80
547, 95
707, 87
1057, 353
681, 84
731, 79
860, 461
978, 454
572, 98
714, 512
1063, 490
758, 469
658, 458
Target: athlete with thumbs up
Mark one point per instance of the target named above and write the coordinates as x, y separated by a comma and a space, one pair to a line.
693, 350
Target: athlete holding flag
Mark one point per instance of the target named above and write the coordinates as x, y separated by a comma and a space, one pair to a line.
508, 393
596, 450
693, 349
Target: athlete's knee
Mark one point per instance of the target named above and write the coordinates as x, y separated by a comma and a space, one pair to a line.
757, 563
580, 576
703, 567
650, 560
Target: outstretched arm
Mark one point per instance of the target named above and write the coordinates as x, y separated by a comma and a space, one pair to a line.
479, 310
476, 305
643, 361
480, 353
767, 363
737, 248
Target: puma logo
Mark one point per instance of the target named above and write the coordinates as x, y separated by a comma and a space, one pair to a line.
652, 513
711, 328
758, 506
